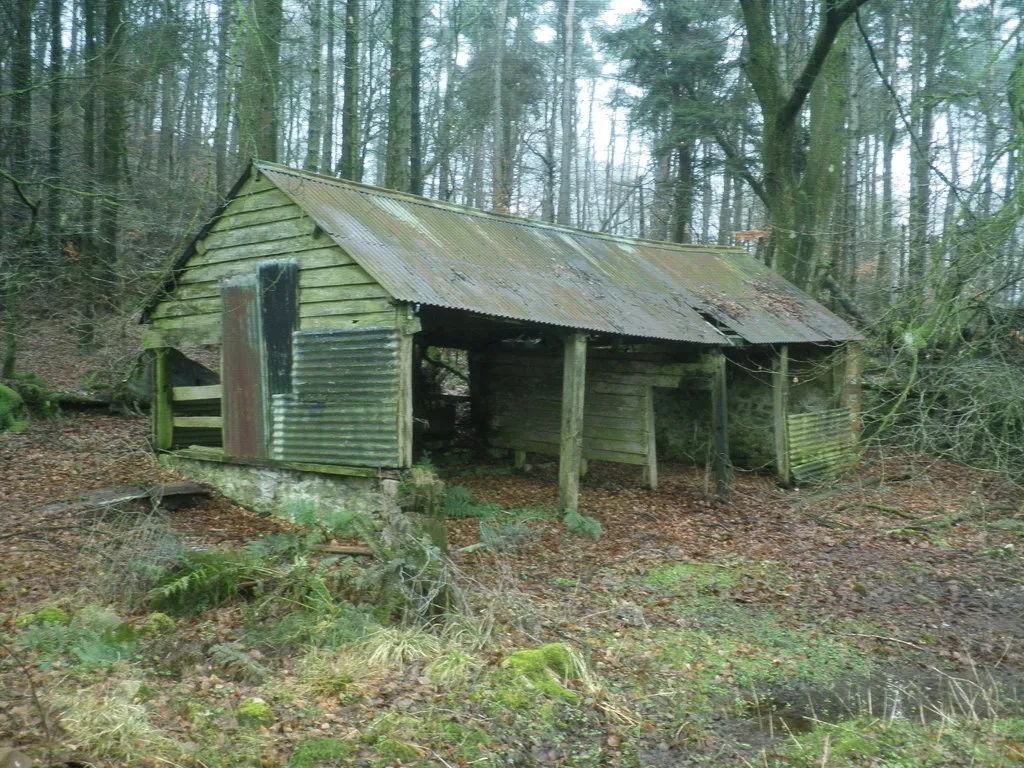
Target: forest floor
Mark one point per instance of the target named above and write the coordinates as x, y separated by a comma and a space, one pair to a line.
875, 621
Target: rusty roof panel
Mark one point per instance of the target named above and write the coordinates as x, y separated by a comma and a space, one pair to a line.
435, 253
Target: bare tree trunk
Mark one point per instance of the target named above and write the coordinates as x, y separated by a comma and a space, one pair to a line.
330, 97
315, 123
682, 195
88, 260
56, 137
501, 188
259, 123
415, 117
113, 144
224, 89
397, 171
568, 104
351, 165
929, 31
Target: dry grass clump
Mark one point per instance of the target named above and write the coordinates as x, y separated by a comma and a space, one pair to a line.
107, 722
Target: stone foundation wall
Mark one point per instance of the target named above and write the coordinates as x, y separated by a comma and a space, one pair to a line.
683, 417
276, 491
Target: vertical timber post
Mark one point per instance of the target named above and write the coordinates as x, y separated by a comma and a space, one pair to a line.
720, 426
780, 412
163, 400
851, 387
651, 468
574, 374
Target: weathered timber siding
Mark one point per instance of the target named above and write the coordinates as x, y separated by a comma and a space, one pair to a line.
524, 400
262, 224
346, 401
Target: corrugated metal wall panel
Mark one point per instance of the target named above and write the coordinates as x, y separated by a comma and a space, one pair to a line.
821, 443
344, 406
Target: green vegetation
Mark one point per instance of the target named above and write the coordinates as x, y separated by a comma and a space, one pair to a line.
12, 410
582, 525
320, 753
946, 741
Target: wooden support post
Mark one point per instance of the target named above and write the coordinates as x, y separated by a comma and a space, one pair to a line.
780, 410
851, 387
574, 374
651, 468
163, 400
407, 360
720, 426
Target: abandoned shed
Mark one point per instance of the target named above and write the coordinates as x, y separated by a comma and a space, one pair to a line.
328, 299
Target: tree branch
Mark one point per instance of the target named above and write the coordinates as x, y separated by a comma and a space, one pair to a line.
832, 21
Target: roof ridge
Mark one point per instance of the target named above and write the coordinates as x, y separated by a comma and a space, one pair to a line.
471, 211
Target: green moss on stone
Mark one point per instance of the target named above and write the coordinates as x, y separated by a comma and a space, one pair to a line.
545, 669
255, 712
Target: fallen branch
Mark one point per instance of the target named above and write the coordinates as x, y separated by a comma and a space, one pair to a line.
344, 549
891, 511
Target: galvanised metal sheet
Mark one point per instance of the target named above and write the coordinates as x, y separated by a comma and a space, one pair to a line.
821, 442
344, 404
428, 252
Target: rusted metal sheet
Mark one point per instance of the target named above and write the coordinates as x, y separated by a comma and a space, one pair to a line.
821, 443
344, 406
435, 253
243, 401
279, 303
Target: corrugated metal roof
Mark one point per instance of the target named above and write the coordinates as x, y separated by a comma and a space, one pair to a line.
440, 254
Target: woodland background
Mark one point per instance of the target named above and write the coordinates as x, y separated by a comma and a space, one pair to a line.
868, 150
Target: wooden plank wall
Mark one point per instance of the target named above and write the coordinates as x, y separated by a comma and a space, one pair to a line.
262, 224
524, 397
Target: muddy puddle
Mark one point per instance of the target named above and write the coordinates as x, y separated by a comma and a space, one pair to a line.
903, 694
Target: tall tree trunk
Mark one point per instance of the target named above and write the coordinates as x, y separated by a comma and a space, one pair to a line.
315, 122
331, 98
351, 165
113, 143
706, 202
259, 122
223, 95
724, 210
682, 195
168, 56
886, 249
929, 31
444, 131
56, 137
568, 108
415, 118
88, 259
396, 172
501, 187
